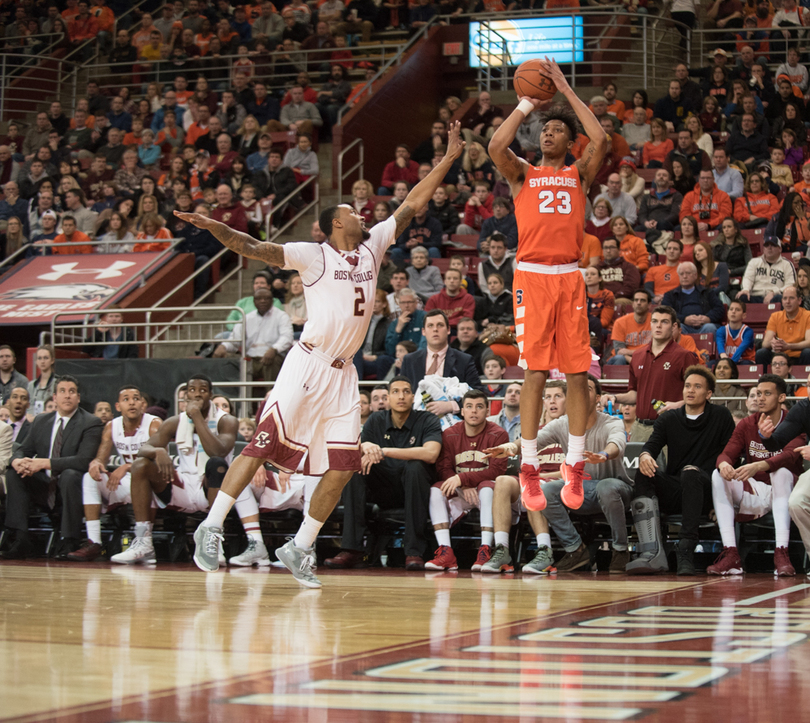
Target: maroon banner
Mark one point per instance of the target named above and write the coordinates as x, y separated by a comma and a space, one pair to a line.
46, 285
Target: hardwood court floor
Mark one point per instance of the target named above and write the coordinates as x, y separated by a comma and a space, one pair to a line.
100, 644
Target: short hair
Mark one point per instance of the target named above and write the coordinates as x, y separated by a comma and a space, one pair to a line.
252, 422
501, 201
499, 237
363, 393
668, 310
556, 384
596, 384
202, 377
325, 219
432, 313
686, 266
675, 241
409, 346
68, 217
783, 355
398, 378
465, 320
474, 394
399, 271
501, 361
701, 371
644, 291
781, 385
129, 386
6, 346
454, 271
741, 303
70, 379
264, 274
419, 250
482, 183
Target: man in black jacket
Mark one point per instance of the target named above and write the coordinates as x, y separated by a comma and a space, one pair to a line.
108, 335
276, 181
695, 435
660, 208
50, 464
440, 359
202, 244
699, 310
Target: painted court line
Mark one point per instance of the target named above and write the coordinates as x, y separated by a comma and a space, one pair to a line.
770, 595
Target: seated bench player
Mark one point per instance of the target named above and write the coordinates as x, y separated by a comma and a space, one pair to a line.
762, 484
466, 479
606, 485
205, 437
506, 503
123, 436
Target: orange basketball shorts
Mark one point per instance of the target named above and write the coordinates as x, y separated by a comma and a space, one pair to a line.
551, 321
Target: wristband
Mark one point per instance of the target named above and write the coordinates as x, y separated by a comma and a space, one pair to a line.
526, 107
607, 456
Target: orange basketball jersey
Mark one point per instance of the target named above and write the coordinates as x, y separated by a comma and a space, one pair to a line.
550, 213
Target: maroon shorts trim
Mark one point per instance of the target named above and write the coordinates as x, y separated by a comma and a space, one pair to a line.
270, 442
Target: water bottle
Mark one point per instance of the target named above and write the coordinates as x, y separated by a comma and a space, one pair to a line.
658, 404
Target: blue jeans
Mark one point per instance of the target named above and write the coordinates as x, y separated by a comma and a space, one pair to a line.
705, 329
379, 368
400, 256
610, 496
618, 360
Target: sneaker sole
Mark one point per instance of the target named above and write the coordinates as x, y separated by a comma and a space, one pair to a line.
496, 570
477, 568
142, 561
579, 565
431, 566
571, 504
313, 585
198, 561
534, 571
785, 573
732, 571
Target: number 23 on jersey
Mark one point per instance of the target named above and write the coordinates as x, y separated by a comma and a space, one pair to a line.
547, 202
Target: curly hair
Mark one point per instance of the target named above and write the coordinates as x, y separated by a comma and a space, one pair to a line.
566, 115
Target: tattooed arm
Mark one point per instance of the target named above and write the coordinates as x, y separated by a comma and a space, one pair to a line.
423, 191
592, 158
244, 245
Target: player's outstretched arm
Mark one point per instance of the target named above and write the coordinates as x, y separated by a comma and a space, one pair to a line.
423, 191
591, 161
512, 168
242, 243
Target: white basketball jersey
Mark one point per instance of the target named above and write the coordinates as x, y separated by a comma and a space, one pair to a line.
193, 463
127, 446
339, 294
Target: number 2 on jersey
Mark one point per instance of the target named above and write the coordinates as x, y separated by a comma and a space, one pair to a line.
546, 198
359, 301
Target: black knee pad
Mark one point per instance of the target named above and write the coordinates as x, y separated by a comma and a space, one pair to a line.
215, 469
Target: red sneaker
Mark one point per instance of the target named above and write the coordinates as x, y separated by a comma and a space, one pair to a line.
781, 562
572, 495
445, 559
484, 553
729, 563
530, 492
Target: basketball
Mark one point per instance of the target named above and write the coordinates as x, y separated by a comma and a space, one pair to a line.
530, 81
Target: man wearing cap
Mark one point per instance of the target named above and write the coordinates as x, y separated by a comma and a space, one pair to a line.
673, 108
46, 232
258, 161
726, 177
768, 275
687, 151
788, 331
719, 57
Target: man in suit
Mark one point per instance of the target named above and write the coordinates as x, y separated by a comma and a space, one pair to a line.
439, 358
17, 406
54, 456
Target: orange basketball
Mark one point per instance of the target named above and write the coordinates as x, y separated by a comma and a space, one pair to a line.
530, 81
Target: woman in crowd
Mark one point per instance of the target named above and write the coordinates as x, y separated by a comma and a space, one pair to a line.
631, 247
790, 224
497, 306
177, 171
654, 152
731, 247
682, 179
247, 137
476, 166
41, 389
237, 177
790, 117
154, 235
803, 283
689, 237
756, 206
632, 183
362, 190
295, 305
372, 359
710, 117
118, 239
223, 403
382, 211
711, 274
599, 223
146, 204
794, 155
727, 369
699, 136
13, 239
717, 87
640, 100
153, 95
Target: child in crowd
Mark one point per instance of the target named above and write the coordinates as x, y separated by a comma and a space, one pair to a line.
494, 369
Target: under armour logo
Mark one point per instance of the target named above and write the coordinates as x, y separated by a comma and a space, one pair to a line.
60, 270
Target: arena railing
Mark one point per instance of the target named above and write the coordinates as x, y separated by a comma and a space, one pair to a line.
359, 166
271, 235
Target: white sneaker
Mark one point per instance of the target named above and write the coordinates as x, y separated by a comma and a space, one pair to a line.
140, 551
223, 561
256, 554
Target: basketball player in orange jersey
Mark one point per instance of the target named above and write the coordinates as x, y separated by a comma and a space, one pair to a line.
549, 292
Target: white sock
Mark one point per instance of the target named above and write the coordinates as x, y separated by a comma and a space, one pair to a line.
308, 533
94, 530
782, 485
576, 446
437, 506
528, 451
487, 536
502, 538
219, 510
245, 505
253, 531
442, 536
722, 496
143, 529
544, 538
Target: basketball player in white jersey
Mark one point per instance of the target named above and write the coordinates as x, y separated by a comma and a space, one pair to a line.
123, 437
314, 407
205, 437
